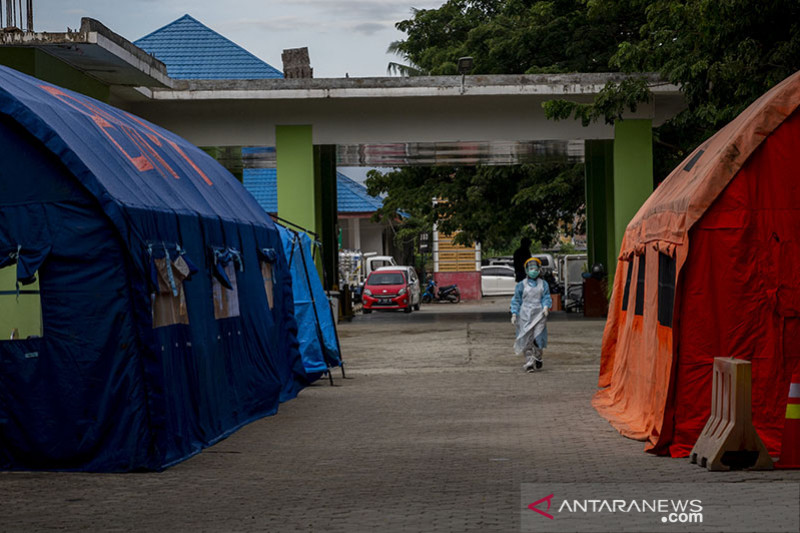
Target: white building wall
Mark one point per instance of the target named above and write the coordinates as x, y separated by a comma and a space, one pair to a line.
362, 234
372, 237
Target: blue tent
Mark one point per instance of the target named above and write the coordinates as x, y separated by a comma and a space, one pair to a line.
166, 300
319, 345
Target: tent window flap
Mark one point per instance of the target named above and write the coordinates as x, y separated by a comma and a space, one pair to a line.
266, 273
224, 286
20, 309
666, 289
626, 294
639, 306
169, 300
267, 257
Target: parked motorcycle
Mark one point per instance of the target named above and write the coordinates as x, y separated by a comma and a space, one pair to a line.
449, 293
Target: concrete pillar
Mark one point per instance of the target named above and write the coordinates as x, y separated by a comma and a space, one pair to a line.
633, 173
599, 165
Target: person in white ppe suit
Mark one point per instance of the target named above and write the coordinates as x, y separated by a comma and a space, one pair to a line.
530, 307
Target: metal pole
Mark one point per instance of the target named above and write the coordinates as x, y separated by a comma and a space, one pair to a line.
30, 15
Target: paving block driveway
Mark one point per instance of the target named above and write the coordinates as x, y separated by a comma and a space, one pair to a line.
435, 429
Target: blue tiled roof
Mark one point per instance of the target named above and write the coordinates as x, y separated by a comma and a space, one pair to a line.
262, 183
193, 51
351, 196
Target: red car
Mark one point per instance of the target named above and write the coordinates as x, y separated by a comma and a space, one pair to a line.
391, 288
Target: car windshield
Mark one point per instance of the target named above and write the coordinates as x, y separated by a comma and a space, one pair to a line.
386, 278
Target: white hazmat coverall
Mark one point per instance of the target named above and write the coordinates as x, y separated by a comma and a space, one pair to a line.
531, 304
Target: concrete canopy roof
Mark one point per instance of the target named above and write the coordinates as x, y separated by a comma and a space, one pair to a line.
96, 51
493, 119
369, 111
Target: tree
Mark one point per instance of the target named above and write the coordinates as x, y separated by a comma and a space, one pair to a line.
520, 36
494, 204
722, 53
490, 204
402, 69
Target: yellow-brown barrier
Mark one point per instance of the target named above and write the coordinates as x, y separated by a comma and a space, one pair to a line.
729, 439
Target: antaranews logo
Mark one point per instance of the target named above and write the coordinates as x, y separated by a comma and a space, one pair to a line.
681, 511
549, 500
722, 507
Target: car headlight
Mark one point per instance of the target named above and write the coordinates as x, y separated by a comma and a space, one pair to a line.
401, 292
368, 292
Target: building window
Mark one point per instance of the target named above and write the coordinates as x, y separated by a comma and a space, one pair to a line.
666, 289
224, 285
639, 305
626, 294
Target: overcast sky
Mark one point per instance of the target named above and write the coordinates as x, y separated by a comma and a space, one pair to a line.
342, 36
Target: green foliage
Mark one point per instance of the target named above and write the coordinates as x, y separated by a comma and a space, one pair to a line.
402, 69
611, 103
520, 36
489, 204
722, 53
568, 248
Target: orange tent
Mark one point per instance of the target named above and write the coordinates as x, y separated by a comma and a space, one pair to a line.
710, 267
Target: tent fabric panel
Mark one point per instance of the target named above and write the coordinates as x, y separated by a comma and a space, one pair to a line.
636, 356
311, 349
140, 398
74, 399
734, 280
732, 272
323, 308
124, 159
31, 159
281, 323
317, 338
212, 376
685, 195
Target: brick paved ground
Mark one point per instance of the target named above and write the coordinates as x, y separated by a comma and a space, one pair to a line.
435, 431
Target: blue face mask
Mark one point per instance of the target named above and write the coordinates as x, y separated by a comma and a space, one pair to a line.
533, 273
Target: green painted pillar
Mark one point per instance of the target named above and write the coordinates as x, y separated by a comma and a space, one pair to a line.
307, 192
599, 165
325, 170
297, 189
633, 172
